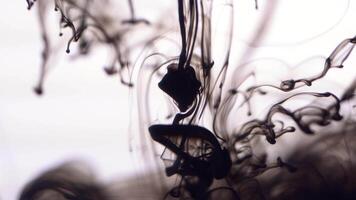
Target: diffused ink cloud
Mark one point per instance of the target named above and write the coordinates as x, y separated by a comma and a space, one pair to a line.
221, 163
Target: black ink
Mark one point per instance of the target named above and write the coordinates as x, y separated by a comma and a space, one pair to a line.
180, 84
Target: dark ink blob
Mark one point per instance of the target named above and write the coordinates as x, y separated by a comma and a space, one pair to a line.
180, 84
287, 85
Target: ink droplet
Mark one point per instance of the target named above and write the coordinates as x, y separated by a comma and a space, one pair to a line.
180, 84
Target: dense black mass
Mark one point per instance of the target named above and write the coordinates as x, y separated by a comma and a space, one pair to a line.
180, 84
